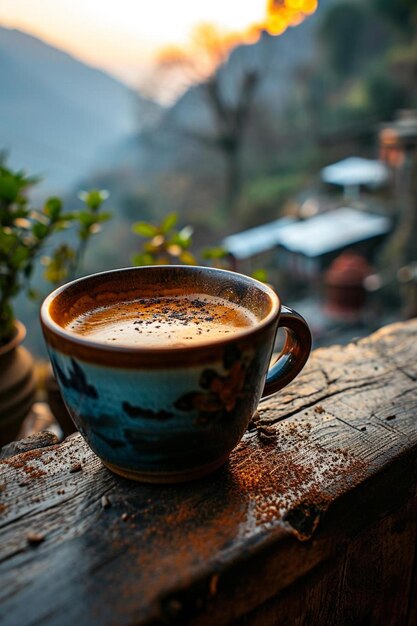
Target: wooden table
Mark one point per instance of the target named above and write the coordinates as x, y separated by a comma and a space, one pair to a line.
313, 520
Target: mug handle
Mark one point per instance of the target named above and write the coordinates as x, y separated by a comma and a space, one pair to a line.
294, 354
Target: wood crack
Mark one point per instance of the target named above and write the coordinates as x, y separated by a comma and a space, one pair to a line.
392, 361
340, 419
39, 510
368, 383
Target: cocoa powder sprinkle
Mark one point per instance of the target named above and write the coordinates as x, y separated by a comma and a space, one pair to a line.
105, 502
34, 538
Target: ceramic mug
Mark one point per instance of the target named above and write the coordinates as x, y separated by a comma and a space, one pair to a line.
169, 414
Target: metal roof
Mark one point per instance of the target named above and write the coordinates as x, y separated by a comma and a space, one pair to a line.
333, 230
318, 235
356, 171
256, 240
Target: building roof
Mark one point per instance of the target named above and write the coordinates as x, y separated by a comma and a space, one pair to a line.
318, 235
333, 230
355, 171
249, 243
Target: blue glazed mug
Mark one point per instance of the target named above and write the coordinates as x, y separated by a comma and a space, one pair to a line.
169, 414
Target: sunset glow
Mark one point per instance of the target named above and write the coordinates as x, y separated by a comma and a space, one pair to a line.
211, 45
124, 37
284, 13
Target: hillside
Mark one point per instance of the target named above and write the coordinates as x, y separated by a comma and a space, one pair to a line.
58, 115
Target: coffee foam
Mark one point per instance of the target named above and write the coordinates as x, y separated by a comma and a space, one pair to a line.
165, 322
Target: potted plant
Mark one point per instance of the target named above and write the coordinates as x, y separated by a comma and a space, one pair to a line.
24, 231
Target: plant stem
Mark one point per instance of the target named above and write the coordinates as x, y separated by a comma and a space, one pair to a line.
79, 258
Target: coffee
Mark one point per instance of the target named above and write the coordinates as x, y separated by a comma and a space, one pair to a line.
169, 322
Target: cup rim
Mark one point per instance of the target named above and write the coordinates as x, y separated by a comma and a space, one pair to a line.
83, 342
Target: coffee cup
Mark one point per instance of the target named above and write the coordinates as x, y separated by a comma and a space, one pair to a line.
161, 368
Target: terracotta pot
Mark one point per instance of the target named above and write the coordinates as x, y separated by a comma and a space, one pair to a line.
17, 385
344, 284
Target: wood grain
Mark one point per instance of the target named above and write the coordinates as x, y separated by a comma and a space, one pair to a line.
42, 439
327, 463
367, 581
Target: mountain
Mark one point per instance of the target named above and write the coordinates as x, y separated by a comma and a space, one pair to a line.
175, 164
59, 116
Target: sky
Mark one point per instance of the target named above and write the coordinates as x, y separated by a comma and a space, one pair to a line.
124, 36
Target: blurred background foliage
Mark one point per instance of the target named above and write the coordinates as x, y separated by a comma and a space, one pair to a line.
361, 68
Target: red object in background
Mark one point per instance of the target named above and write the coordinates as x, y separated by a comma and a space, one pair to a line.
345, 293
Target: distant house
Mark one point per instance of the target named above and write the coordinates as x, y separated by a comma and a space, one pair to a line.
304, 248
355, 172
255, 247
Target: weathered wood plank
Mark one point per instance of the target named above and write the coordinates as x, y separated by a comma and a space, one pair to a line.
364, 583
43, 439
209, 551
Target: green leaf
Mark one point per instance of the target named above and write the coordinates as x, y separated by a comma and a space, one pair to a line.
33, 294
8, 240
214, 253
104, 217
94, 198
260, 275
184, 237
28, 270
145, 229
186, 233
142, 259
53, 207
9, 188
20, 212
187, 258
40, 230
86, 219
61, 225
19, 256
169, 222
69, 216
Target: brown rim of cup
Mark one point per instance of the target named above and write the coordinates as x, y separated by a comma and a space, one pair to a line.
75, 345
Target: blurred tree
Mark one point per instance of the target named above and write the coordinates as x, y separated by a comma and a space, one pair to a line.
366, 73
403, 68
402, 14
263, 198
232, 121
341, 34
400, 60
384, 94
202, 64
